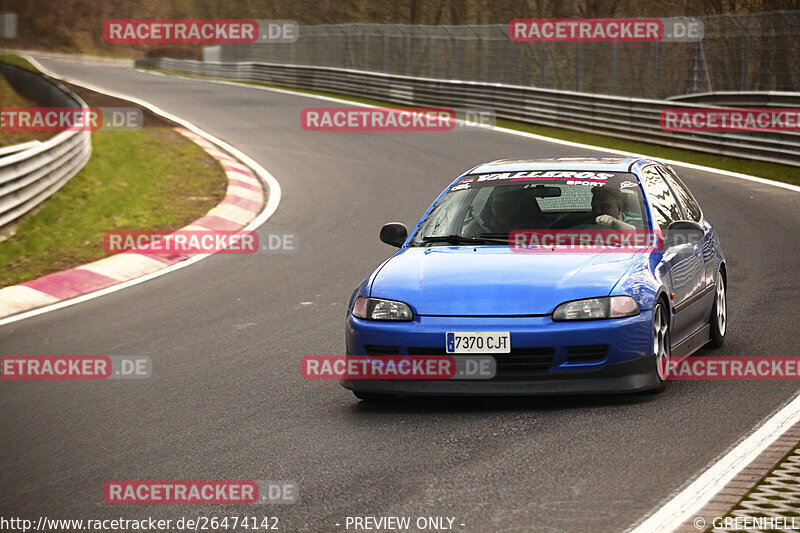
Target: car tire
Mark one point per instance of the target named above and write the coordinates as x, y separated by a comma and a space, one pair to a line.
661, 346
373, 396
719, 314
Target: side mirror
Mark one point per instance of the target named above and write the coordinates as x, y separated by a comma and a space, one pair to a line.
394, 233
683, 232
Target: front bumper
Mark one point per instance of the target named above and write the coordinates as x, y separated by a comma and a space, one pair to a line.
626, 366
630, 376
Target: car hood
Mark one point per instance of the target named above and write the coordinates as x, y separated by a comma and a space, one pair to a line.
494, 280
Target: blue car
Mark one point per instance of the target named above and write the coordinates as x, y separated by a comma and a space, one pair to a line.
558, 320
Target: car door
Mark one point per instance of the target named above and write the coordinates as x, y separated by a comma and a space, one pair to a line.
684, 261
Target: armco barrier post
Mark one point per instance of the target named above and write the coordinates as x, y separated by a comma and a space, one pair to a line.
746, 55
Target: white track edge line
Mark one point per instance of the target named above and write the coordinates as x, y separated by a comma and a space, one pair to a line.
686, 503
272, 185
693, 166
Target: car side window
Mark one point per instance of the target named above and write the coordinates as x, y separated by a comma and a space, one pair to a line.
665, 207
690, 206
440, 220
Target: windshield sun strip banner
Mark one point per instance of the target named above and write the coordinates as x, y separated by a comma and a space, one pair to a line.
566, 177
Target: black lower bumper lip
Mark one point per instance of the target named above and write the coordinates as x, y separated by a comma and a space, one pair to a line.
636, 375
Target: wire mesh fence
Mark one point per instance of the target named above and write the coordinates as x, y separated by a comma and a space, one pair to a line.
742, 52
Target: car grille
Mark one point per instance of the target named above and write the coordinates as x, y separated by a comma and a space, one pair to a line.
587, 354
374, 349
519, 365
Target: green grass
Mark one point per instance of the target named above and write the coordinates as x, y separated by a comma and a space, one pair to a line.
773, 171
148, 179
18, 61
11, 98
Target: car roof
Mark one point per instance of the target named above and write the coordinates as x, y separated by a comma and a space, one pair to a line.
613, 163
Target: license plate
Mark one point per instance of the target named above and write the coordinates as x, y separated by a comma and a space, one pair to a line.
478, 341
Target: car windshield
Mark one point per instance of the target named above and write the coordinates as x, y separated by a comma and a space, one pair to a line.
485, 208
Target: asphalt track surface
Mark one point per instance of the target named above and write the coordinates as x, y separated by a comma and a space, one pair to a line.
226, 336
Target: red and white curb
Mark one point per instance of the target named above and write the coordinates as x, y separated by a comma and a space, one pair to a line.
243, 201
266, 178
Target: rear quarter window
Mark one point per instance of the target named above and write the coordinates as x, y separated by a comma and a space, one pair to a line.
664, 206
690, 205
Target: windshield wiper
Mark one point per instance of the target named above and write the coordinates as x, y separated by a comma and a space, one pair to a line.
461, 239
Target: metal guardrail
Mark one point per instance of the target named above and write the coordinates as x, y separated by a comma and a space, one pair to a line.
742, 99
635, 119
31, 175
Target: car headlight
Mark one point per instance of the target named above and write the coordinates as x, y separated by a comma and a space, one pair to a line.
597, 308
380, 309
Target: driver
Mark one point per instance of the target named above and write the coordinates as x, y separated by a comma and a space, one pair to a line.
607, 204
507, 210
